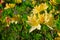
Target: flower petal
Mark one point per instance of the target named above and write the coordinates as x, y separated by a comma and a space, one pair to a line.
39, 27
50, 27
16, 22
32, 29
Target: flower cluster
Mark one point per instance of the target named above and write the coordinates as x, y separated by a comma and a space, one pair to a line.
24, 18
36, 18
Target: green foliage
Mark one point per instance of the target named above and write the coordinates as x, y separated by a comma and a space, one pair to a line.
20, 31
58, 1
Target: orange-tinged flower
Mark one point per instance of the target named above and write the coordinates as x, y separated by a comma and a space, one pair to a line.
7, 20
15, 19
41, 18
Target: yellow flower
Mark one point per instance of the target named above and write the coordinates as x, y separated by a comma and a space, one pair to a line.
18, 1
15, 19
33, 2
33, 21
36, 10
57, 38
39, 8
9, 6
53, 2
12, 5
43, 6
41, 18
58, 32
49, 20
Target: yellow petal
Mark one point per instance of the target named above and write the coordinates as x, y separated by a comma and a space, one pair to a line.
43, 6
12, 5
41, 18
57, 38
49, 20
29, 18
38, 27
32, 29
33, 20
53, 2
58, 33
7, 6
39, 8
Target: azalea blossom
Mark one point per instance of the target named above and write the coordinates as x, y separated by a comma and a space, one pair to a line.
39, 8
9, 6
53, 2
43, 6
33, 2
34, 22
36, 9
15, 19
41, 18
49, 20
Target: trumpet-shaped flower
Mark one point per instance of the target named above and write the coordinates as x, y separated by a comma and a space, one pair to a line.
33, 21
36, 9
15, 19
53, 2
43, 6
33, 2
9, 6
39, 8
49, 20
41, 18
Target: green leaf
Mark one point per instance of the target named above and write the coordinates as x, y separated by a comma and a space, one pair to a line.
49, 37
37, 36
58, 1
0, 6
58, 24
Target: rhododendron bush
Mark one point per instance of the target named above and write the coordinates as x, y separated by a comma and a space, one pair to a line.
29, 19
